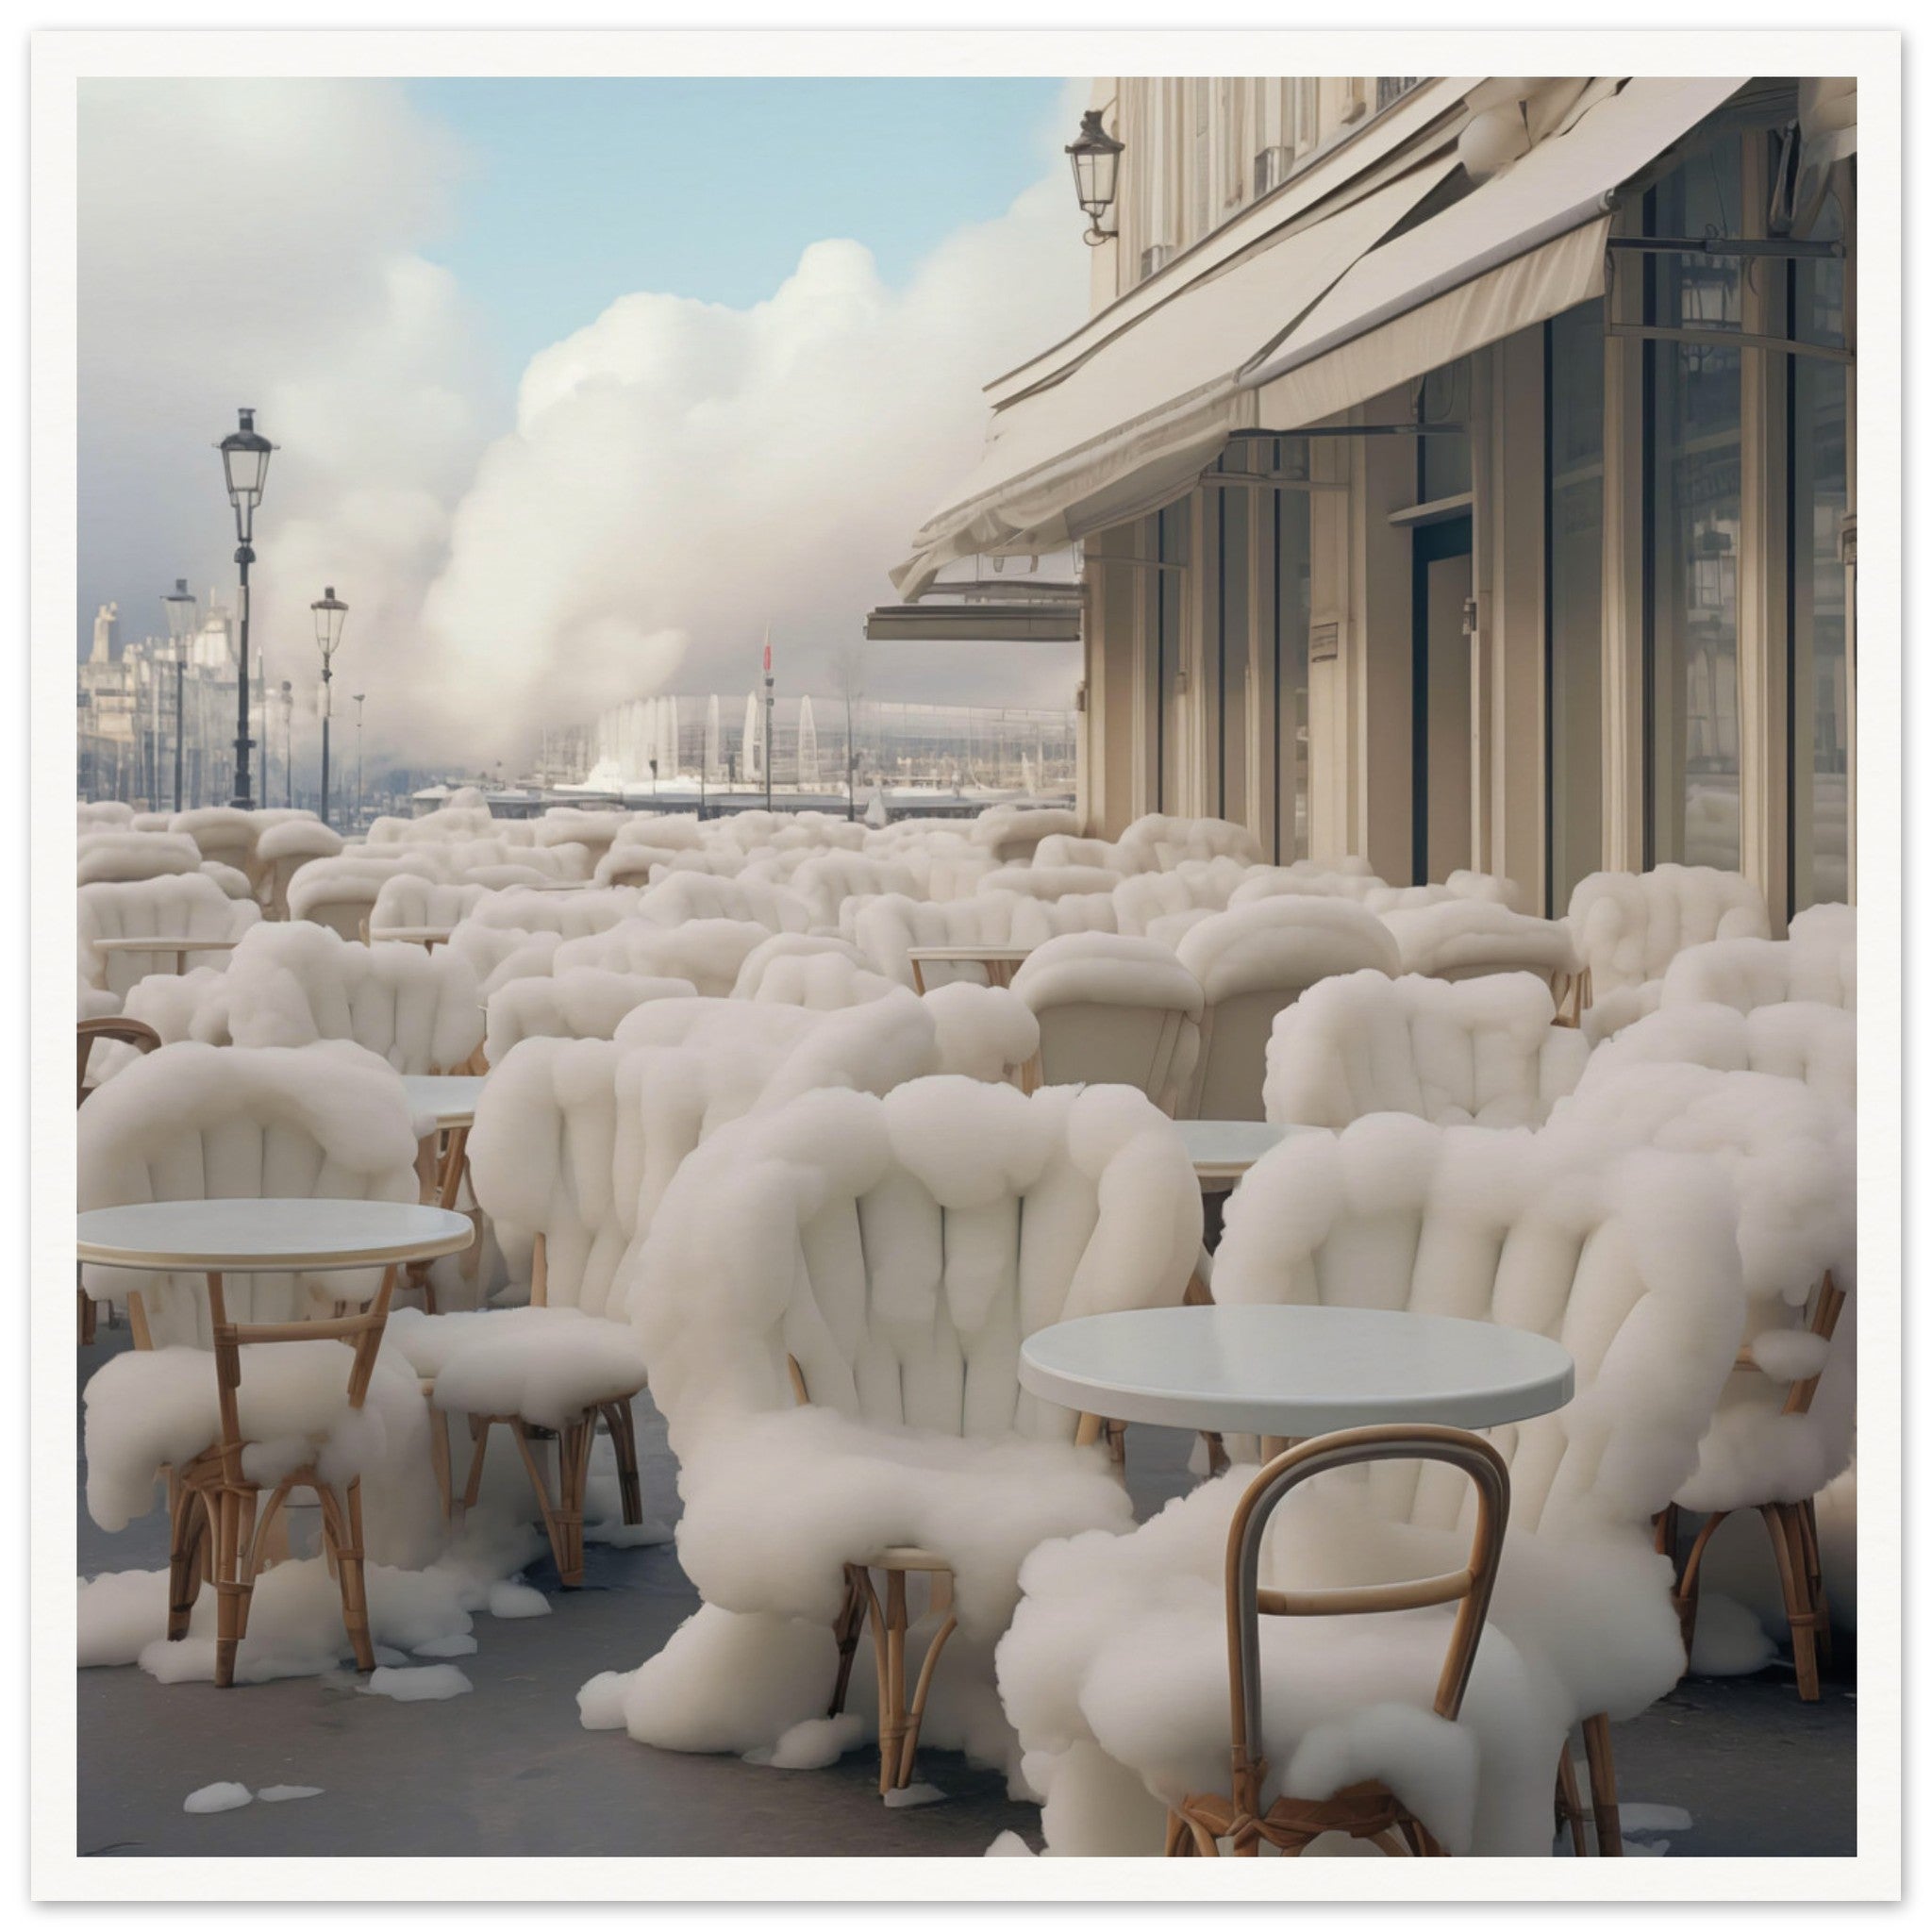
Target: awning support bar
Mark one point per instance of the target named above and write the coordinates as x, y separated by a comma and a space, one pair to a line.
1727, 338
1724, 244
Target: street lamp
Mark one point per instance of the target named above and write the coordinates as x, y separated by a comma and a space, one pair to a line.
288, 740
330, 613
1096, 156
244, 464
181, 619
359, 696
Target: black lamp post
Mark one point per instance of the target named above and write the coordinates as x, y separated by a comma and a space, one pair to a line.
1096, 156
359, 696
181, 618
330, 613
244, 464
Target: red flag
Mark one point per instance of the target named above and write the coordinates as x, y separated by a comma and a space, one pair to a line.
768, 660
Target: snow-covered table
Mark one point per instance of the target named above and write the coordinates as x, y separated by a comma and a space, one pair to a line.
1222, 1151
1295, 1370
156, 942
427, 937
999, 963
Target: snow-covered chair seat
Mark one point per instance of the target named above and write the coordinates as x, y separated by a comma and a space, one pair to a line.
1629, 927
1800, 1039
1115, 1672
1465, 938
115, 857
281, 850
687, 895
628, 862
1484, 1051
408, 903
176, 905
291, 984
1159, 843
557, 1156
1785, 1427
1113, 1011
224, 832
889, 927
1254, 960
582, 1003
832, 1298
569, 825
711, 953
499, 953
1817, 964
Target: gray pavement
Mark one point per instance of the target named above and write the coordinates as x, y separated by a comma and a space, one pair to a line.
507, 1770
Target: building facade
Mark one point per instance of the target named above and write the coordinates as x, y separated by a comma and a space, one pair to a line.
1463, 471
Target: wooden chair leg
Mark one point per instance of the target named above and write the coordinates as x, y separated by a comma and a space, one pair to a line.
1603, 1786
1814, 1569
353, 1584
915, 1714
1794, 1580
229, 1586
891, 1656
1570, 1802
623, 1439
845, 1633
89, 1316
438, 1455
1688, 1580
479, 1438
187, 1547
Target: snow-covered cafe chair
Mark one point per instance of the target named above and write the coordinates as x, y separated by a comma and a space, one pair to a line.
1466, 938
178, 905
582, 1003
224, 832
1115, 1672
827, 880
840, 1375
1198, 886
1254, 960
282, 850
1818, 964
809, 970
104, 814
1628, 926
1784, 1426
1800, 1039
570, 915
1011, 833
408, 903
1485, 1051
889, 927
1113, 1011
291, 984
1051, 881
711, 953
117, 856
687, 895
340, 893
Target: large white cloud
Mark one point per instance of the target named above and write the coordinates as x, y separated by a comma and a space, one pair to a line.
680, 473
257, 242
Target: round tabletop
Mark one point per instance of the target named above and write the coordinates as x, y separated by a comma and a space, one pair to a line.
263, 1236
962, 954
1225, 1150
448, 1099
1295, 1370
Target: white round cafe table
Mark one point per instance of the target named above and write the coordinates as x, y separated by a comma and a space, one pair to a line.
1225, 1150
448, 1099
269, 1235
1295, 1372
998, 962
176, 944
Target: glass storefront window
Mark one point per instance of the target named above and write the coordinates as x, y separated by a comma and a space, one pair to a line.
1442, 465
1819, 685
1693, 453
1288, 580
1231, 779
1574, 364
1170, 651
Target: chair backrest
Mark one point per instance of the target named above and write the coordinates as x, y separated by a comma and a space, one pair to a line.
409, 901
686, 895
900, 1250
1157, 842
195, 1123
1011, 833
571, 915
827, 880
1628, 1256
1628, 926
711, 953
117, 856
890, 926
1113, 1011
1745, 974
1800, 1039
115, 1028
1487, 1051
584, 1003
1051, 881
340, 893
177, 905
1253, 961
225, 832
1196, 884
291, 984
809, 970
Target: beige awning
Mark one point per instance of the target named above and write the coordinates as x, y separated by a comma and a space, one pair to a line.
1128, 425
1516, 251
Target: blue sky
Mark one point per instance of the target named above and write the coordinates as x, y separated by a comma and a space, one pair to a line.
577, 191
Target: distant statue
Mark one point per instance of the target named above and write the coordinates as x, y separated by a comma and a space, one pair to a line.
106, 634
